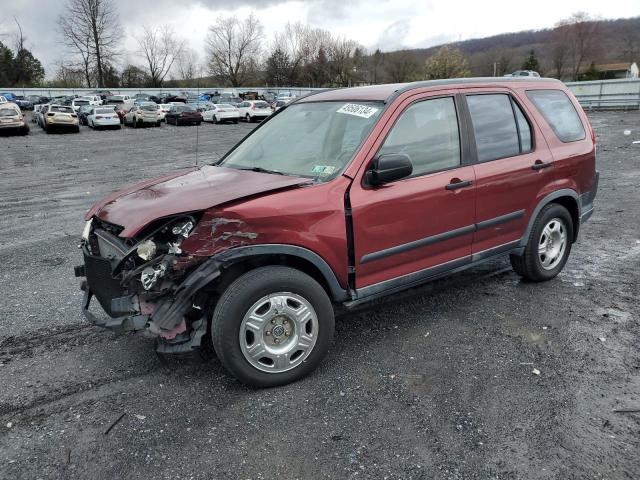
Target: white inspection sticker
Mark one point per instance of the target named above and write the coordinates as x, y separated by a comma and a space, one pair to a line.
363, 111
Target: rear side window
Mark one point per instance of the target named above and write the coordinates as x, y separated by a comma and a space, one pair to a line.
494, 126
559, 112
427, 131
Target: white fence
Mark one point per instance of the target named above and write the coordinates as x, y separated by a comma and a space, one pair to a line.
623, 93
54, 92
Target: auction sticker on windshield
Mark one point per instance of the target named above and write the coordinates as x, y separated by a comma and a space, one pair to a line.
363, 111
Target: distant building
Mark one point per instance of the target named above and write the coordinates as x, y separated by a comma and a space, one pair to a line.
618, 70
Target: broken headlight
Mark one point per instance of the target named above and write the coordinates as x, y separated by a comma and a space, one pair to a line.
86, 231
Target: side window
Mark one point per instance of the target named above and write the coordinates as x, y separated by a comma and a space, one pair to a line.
428, 132
494, 126
559, 112
524, 129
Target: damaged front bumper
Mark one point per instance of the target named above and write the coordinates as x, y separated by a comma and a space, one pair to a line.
173, 316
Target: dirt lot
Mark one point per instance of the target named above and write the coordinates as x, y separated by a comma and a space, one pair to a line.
436, 383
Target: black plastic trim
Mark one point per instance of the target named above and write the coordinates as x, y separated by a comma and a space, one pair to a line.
404, 282
565, 192
501, 219
423, 242
339, 294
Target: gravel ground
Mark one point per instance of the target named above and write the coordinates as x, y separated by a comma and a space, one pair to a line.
434, 383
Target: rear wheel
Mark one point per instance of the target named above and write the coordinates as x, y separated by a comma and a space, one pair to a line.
214, 119
247, 118
272, 326
235, 120
548, 247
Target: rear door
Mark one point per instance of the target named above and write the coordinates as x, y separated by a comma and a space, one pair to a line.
422, 223
513, 165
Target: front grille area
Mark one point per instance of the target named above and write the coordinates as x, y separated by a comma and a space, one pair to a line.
101, 283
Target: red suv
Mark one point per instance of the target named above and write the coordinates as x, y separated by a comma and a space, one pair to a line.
341, 197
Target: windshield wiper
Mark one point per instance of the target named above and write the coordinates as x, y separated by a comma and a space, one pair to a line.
262, 170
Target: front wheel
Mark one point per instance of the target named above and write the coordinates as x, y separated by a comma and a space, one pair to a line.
272, 326
548, 246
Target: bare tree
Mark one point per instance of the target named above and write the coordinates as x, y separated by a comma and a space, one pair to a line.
188, 65
341, 59
401, 66
92, 29
581, 35
80, 43
160, 50
233, 47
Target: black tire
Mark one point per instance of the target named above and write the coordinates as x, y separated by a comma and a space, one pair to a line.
247, 118
214, 120
529, 265
158, 123
235, 121
244, 292
76, 129
198, 124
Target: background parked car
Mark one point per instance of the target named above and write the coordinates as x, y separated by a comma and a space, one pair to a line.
38, 114
278, 104
76, 103
23, 103
146, 113
103, 117
183, 115
523, 73
12, 120
60, 116
164, 108
126, 101
221, 113
254, 110
83, 112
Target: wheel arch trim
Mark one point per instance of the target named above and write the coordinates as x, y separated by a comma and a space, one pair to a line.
565, 192
239, 253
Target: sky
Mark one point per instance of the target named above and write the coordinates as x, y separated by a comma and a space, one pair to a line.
388, 25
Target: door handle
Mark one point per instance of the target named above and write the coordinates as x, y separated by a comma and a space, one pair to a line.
539, 165
457, 183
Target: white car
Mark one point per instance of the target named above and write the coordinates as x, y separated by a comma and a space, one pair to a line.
60, 116
93, 99
252, 110
164, 108
103, 117
221, 112
76, 103
125, 100
523, 73
147, 113
2, 99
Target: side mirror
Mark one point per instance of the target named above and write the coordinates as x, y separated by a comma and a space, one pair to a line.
388, 168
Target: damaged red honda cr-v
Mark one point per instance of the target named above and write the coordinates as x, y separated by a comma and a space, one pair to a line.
341, 197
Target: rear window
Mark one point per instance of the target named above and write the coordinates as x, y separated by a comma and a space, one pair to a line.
559, 112
62, 109
261, 104
104, 110
149, 108
8, 112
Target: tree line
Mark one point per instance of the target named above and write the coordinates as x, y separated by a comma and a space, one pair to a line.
237, 53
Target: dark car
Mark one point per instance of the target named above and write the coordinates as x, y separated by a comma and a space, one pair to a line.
83, 112
23, 103
343, 197
183, 115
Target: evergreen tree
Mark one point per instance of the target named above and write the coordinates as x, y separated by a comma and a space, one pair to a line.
531, 62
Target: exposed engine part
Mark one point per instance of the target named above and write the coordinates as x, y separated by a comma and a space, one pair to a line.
150, 275
146, 250
183, 229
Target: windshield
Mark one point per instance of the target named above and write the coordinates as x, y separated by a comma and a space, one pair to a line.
315, 140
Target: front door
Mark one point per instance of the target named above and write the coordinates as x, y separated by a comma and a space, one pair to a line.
423, 223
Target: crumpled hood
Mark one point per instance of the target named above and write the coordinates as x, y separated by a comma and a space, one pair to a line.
187, 190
